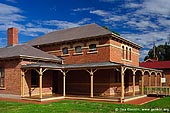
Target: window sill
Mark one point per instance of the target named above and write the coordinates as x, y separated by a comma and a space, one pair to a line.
92, 52
65, 55
126, 60
78, 54
2, 88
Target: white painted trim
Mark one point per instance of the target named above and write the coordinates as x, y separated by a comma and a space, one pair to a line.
97, 46
78, 53
65, 55
54, 51
126, 60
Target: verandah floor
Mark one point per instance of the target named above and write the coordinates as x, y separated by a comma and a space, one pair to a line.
113, 98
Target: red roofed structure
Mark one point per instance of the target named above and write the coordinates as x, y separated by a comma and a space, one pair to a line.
163, 65
156, 64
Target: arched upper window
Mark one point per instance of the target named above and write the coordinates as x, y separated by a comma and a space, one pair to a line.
130, 54
123, 49
65, 50
78, 49
92, 47
127, 53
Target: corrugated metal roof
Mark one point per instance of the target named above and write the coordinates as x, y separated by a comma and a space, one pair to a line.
91, 65
26, 51
71, 66
87, 31
98, 65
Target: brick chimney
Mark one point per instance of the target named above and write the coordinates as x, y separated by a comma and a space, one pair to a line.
12, 36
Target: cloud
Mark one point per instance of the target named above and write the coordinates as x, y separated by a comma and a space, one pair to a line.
114, 18
100, 12
161, 7
132, 5
2, 42
84, 21
60, 24
143, 54
142, 24
35, 28
7, 9
13, 1
82, 9
164, 21
9, 16
34, 31
65, 24
146, 40
30, 25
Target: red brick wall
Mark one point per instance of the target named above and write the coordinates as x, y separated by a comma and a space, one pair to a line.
146, 80
116, 54
167, 76
12, 77
101, 56
78, 82
158, 78
47, 84
107, 50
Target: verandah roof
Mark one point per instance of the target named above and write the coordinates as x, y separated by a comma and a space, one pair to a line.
83, 66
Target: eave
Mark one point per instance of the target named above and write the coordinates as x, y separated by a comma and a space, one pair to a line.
32, 58
126, 41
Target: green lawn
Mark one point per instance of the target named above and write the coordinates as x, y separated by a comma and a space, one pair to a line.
71, 106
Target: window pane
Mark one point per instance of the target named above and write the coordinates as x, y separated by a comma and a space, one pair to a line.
2, 75
126, 53
92, 47
78, 49
123, 52
1, 82
130, 54
2, 72
65, 50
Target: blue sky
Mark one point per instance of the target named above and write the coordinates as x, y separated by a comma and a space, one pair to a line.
140, 21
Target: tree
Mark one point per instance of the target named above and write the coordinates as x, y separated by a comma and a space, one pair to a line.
162, 52
111, 31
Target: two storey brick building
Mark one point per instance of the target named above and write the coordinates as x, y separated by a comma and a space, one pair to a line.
87, 60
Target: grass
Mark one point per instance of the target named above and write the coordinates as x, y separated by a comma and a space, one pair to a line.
74, 106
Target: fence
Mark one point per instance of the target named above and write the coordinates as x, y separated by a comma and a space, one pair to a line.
158, 90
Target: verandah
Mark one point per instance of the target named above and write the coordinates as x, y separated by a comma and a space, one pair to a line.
92, 69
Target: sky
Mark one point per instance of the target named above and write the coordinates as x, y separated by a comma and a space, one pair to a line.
140, 21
